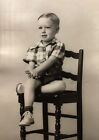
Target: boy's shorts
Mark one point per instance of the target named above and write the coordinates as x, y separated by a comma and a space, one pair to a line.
47, 79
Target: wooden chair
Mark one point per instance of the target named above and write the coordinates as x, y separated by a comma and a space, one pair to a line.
58, 99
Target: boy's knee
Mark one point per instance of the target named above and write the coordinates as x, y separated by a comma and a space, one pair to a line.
32, 83
62, 85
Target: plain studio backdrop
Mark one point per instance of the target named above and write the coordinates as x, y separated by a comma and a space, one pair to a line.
79, 29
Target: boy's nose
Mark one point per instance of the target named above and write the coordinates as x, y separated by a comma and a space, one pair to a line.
43, 30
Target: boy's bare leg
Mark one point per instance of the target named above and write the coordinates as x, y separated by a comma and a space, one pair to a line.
29, 95
29, 90
55, 86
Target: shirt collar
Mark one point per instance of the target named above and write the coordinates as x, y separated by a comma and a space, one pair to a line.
52, 42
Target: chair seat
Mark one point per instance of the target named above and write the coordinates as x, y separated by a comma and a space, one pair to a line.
62, 96
65, 96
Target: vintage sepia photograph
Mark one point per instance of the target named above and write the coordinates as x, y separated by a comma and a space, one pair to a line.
49, 69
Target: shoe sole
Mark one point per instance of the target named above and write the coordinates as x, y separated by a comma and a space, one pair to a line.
26, 124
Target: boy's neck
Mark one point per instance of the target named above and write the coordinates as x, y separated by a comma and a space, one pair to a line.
46, 43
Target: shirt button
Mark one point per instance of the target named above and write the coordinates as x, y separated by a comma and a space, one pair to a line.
44, 49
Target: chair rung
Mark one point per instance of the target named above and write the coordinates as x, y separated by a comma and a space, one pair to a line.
39, 131
64, 115
63, 136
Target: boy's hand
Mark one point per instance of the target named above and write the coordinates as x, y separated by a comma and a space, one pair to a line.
33, 74
36, 74
28, 73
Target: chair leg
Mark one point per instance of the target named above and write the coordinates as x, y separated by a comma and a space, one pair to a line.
22, 133
79, 121
57, 117
22, 128
45, 120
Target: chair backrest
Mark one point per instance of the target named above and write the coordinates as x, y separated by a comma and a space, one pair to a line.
75, 77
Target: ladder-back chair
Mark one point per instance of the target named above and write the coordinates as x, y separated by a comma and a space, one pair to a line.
58, 99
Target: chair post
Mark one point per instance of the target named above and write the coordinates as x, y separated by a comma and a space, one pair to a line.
79, 102
57, 117
45, 120
79, 121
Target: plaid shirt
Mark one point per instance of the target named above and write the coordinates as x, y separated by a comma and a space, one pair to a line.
41, 53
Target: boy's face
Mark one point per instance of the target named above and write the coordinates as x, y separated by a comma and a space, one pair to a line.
47, 29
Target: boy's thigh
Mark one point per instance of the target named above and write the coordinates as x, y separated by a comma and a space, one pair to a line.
54, 86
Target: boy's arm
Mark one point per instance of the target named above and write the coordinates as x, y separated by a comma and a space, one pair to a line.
31, 65
30, 68
44, 66
58, 53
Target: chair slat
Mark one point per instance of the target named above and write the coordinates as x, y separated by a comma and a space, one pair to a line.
71, 54
69, 75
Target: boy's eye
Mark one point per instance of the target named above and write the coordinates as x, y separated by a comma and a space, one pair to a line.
48, 27
40, 27
44, 27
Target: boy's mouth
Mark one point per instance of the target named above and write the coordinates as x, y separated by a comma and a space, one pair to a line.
44, 36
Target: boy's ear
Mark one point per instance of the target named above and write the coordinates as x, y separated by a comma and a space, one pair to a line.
57, 29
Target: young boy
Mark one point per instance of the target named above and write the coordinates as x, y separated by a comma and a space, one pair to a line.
44, 64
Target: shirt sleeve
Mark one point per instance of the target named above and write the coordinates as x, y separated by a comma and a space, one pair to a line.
30, 55
59, 50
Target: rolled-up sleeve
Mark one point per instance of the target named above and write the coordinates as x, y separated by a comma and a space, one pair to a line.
30, 55
59, 50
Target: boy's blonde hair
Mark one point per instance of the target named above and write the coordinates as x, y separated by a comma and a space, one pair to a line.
52, 16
